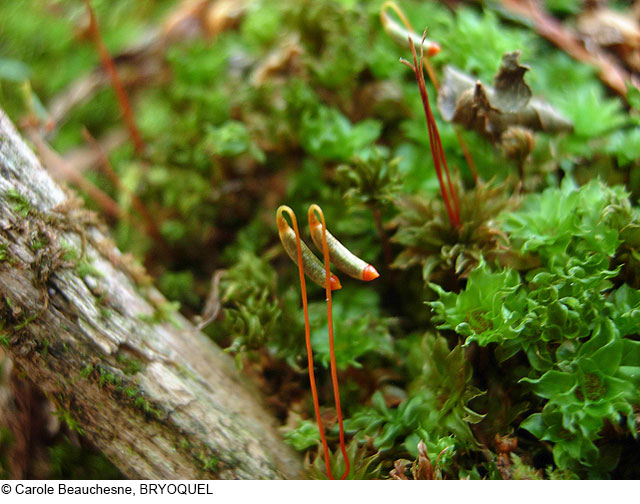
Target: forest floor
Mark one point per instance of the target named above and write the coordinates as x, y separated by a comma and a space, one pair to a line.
494, 187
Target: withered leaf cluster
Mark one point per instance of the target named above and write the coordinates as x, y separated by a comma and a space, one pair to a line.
501, 111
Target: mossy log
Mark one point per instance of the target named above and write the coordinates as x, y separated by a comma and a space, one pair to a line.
123, 368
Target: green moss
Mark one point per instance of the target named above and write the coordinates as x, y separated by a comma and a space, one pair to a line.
4, 337
131, 392
71, 461
44, 348
141, 403
144, 405
180, 286
107, 377
71, 253
19, 202
130, 365
87, 371
66, 417
164, 312
38, 241
5, 254
85, 268
26, 321
209, 463
6, 440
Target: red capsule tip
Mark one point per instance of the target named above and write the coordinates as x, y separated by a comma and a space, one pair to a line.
334, 283
434, 49
369, 273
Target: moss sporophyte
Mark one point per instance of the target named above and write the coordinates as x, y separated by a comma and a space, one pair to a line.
407, 34
336, 252
449, 194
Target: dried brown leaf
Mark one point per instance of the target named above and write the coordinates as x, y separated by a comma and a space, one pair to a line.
492, 110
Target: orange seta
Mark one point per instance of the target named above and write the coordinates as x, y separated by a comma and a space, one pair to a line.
332, 354
307, 336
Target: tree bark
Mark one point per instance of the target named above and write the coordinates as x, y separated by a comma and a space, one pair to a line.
123, 368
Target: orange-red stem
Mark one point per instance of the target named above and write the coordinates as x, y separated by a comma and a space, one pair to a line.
452, 189
307, 336
449, 195
434, 80
332, 354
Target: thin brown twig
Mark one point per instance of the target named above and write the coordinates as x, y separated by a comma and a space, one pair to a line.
110, 68
136, 202
213, 304
553, 30
56, 164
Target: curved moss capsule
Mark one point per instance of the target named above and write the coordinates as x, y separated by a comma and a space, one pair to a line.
400, 35
311, 265
339, 255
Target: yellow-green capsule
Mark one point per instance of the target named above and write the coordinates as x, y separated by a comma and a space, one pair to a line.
400, 35
311, 265
339, 255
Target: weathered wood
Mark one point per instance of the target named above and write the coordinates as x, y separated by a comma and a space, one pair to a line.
133, 376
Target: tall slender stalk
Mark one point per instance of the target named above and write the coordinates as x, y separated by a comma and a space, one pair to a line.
433, 49
307, 337
332, 353
449, 194
330, 282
